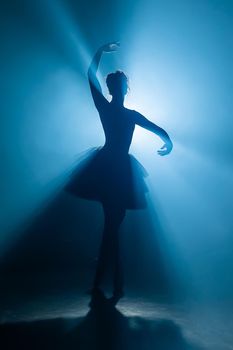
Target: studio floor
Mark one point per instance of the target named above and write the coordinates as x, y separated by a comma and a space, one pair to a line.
62, 317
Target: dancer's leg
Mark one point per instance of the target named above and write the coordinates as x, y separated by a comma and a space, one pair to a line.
113, 217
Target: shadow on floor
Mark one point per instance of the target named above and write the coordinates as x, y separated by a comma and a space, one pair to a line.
63, 239
104, 327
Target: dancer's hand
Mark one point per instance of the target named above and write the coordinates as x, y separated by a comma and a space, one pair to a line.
165, 149
111, 47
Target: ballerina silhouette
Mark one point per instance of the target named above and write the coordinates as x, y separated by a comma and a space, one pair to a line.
110, 174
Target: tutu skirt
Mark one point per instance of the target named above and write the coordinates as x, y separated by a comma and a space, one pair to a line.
113, 179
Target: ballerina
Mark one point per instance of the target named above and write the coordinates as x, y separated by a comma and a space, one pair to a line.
111, 175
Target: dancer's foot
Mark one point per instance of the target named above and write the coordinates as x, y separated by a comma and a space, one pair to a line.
98, 298
117, 295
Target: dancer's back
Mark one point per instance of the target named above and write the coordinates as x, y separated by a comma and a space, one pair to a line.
118, 124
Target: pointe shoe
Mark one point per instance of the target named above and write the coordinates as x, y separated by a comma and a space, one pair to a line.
117, 295
98, 299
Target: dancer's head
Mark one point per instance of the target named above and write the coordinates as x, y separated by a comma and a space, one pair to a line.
117, 83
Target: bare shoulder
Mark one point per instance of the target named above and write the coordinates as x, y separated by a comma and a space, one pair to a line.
132, 113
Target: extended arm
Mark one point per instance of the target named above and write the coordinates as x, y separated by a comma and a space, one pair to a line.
92, 71
95, 87
147, 124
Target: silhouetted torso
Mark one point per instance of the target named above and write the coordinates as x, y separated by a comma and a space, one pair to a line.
110, 174
118, 127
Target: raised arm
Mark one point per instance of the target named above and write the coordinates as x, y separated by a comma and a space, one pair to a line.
98, 97
147, 124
